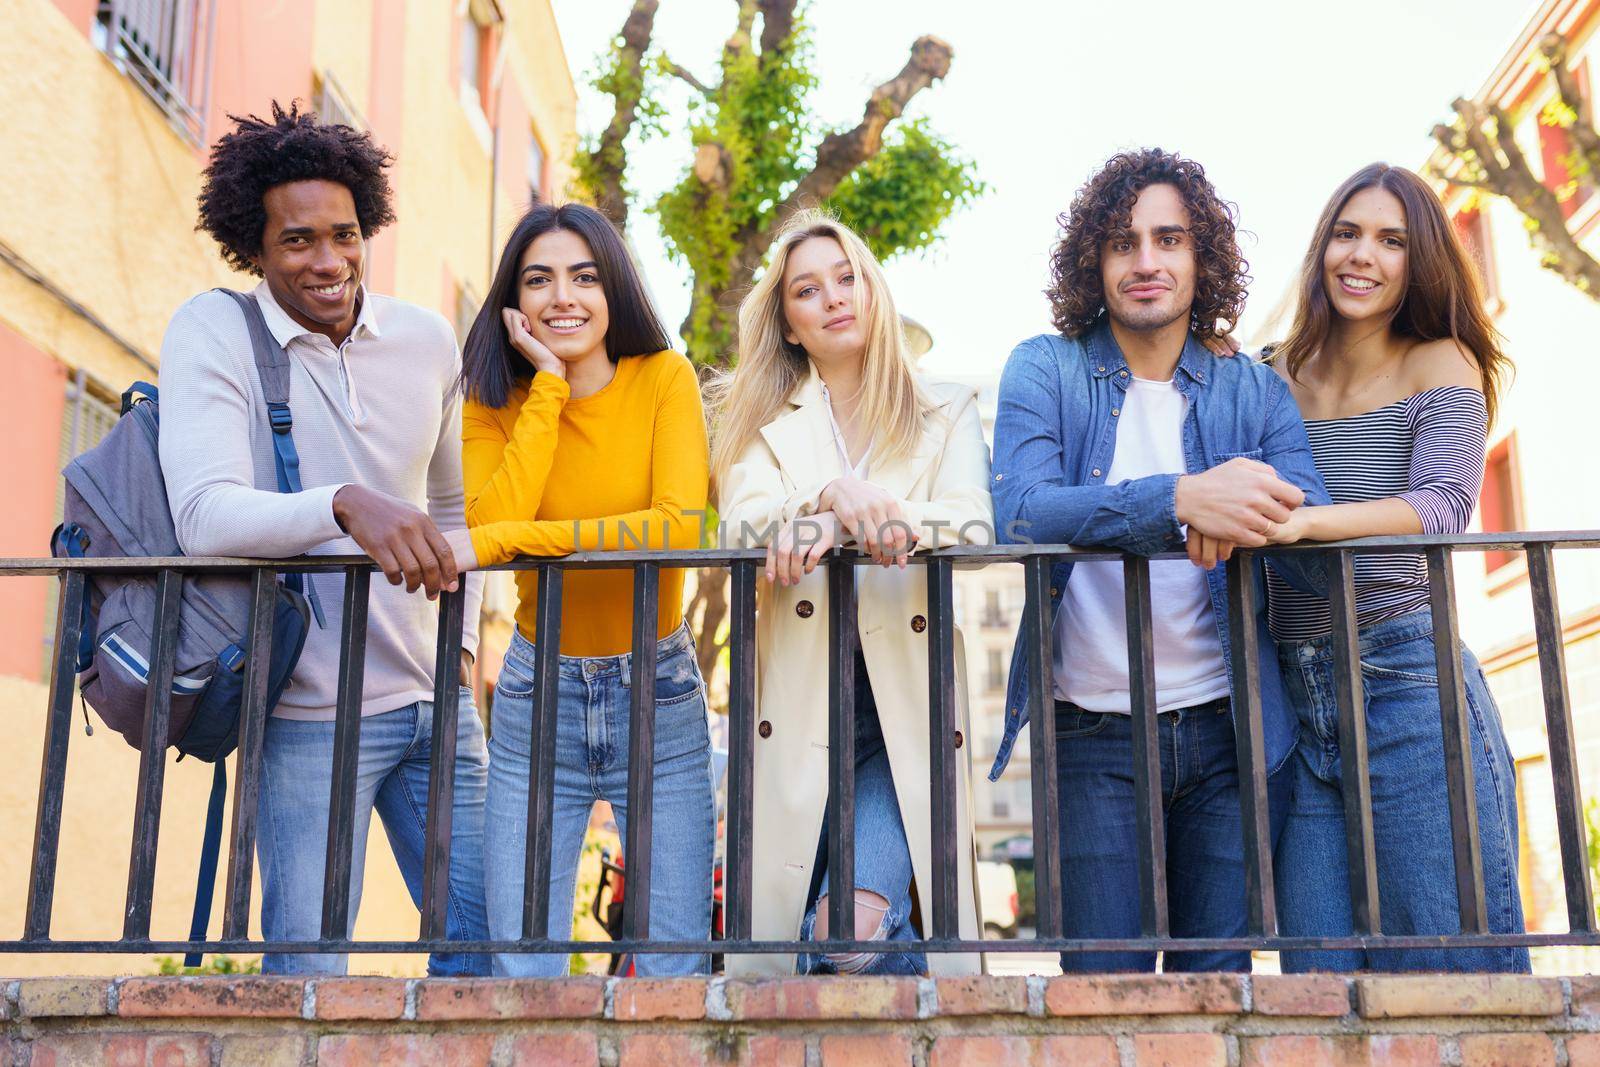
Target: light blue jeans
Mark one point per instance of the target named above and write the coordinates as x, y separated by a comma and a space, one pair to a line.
392, 776
591, 762
1410, 807
883, 859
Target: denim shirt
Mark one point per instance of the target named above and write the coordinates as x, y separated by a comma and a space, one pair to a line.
1054, 436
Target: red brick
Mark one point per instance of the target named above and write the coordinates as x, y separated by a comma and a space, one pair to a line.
1302, 1050
983, 995
1300, 994
658, 1050
1145, 994
555, 1050
1586, 994
1457, 994
360, 998
511, 998
39, 998
239, 1050
255, 997
966, 1050
1583, 1050
1507, 1050
823, 998
122, 1050
1180, 1050
866, 1050
434, 1048
767, 1050
1403, 1050
643, 999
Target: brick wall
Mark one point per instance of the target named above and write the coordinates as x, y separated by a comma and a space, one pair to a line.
1118, 1021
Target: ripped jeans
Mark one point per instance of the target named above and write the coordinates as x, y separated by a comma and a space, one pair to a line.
883, 859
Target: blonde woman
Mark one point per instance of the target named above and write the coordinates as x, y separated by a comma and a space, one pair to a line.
828, 436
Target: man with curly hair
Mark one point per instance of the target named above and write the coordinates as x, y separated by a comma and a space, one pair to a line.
377, 424
1122, 431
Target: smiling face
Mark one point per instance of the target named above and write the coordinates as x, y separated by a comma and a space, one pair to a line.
1364, 265
1148, 269
560, 293
313, 256
820, 309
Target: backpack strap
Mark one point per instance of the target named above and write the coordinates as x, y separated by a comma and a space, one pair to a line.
210, 847
272, 365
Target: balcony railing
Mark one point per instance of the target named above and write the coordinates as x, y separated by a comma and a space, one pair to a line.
941, 933
166, 47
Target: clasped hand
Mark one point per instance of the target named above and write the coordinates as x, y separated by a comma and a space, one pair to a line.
1240, 503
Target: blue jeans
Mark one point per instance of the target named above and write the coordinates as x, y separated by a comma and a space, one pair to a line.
1410, 807
883, 859
1099, 838
392, 776
591, 763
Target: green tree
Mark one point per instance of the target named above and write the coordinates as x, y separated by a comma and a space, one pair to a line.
757, 154
1481, 153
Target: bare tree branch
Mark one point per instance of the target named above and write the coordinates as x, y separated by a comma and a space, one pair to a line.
684, 75
1584, 136
777, 23
611, 154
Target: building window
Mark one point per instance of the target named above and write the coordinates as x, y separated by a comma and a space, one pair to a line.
993, 613
1000, 800
162, 45
1472, 226
476, 29
1500, 503
1555, 152
535, 169
332, 106
996, 670
467, 302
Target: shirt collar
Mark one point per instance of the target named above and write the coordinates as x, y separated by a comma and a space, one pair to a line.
284, 329
1106, 359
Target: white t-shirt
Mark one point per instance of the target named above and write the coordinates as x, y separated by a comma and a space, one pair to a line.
1091, 632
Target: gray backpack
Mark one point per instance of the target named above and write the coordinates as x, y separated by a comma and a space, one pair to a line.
116, 505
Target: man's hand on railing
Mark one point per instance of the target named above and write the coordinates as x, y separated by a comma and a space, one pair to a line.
1237, 501
1206, 552
401, 539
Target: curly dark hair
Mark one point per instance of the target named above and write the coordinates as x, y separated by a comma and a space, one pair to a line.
1104, 205
292, 147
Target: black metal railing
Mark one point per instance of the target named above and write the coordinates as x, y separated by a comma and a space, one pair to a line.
942, 919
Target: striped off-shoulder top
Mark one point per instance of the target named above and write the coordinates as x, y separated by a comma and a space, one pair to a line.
1427, 450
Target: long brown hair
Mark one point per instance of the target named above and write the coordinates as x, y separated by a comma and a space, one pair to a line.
1443, 294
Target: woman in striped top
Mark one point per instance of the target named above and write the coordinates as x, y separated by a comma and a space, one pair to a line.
1396, 368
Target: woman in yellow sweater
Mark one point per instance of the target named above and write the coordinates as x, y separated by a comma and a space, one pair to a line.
583, 431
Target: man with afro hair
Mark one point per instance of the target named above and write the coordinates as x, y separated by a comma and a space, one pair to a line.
377, 424
1121, 430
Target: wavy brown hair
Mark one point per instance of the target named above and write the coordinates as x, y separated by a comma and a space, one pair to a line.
1443, 294
1104, 206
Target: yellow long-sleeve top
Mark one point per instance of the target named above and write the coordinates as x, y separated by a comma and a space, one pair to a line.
623, 468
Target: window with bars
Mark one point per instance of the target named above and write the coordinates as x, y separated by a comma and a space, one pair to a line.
535, 169
164, 47
90, 413
332, 105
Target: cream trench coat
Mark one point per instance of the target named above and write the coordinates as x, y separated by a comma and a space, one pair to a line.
778, 478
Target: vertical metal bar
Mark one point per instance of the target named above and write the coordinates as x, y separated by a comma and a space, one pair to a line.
942, 780
247, 763
1038, 646
641, 751
1250, 746
53, 765
542, 761
1570, 825
153, 757
1149, 816
442, 762
736, 874
346, 753
842, 682
1457, 743
1355, 781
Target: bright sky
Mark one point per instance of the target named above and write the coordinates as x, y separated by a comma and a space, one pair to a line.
1280, 101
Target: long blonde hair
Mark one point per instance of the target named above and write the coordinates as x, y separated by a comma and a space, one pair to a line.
770, 368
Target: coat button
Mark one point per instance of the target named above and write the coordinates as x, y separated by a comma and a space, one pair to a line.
918, 623
765, 729
959, 739
804, 609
